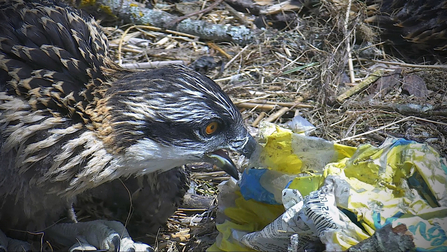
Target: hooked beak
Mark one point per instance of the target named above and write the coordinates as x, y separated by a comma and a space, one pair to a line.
220, 158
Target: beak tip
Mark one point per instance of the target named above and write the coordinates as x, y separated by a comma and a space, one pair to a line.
234, 174
221, 159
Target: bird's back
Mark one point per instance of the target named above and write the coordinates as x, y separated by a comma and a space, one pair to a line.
52, 61
52, 56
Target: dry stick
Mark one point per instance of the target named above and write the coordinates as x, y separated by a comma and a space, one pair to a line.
235, 57
283, 104
193, 209
131, 50
120, 44
177, 33
359, 87
375, 130
428, 120
411, 65
277, 114
250, 105
258, 119
129, 214
216, 176
348, 45
403, 108
217, 48
153, 64
270, 106
389, 125
236, 76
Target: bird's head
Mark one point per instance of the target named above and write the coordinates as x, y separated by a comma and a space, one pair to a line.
171, 116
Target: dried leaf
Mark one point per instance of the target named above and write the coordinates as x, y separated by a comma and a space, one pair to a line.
415, 86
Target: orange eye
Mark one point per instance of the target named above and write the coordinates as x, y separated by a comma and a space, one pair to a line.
211, 128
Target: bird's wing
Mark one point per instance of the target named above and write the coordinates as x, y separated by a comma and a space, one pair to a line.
53, 56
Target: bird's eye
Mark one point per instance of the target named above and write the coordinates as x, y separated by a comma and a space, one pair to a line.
211, 128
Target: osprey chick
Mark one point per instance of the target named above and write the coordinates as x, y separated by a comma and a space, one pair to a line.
71, 120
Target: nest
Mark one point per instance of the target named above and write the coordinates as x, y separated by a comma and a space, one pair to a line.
324, 60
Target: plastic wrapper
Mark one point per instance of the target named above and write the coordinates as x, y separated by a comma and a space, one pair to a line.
313, 195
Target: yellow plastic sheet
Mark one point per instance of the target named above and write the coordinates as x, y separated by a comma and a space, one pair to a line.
399, 182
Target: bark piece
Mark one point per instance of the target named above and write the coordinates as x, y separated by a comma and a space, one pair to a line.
132, 12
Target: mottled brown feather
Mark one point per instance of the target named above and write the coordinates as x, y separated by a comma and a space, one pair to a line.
54, 67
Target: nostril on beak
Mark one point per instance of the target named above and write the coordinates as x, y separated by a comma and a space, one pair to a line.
246, 146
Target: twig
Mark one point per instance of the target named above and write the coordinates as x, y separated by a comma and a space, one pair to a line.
389, 125
120, 43
404, 108
258, 119
235, 57
192, 210
348, 43
232, 77
411, 65
359, 87
177, 33
154, 64
277, 114
375, 130
217, 48
129, 214
311, 64
256, 106
430, 121
268, 105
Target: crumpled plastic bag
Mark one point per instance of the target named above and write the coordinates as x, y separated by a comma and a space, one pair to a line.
317, 195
